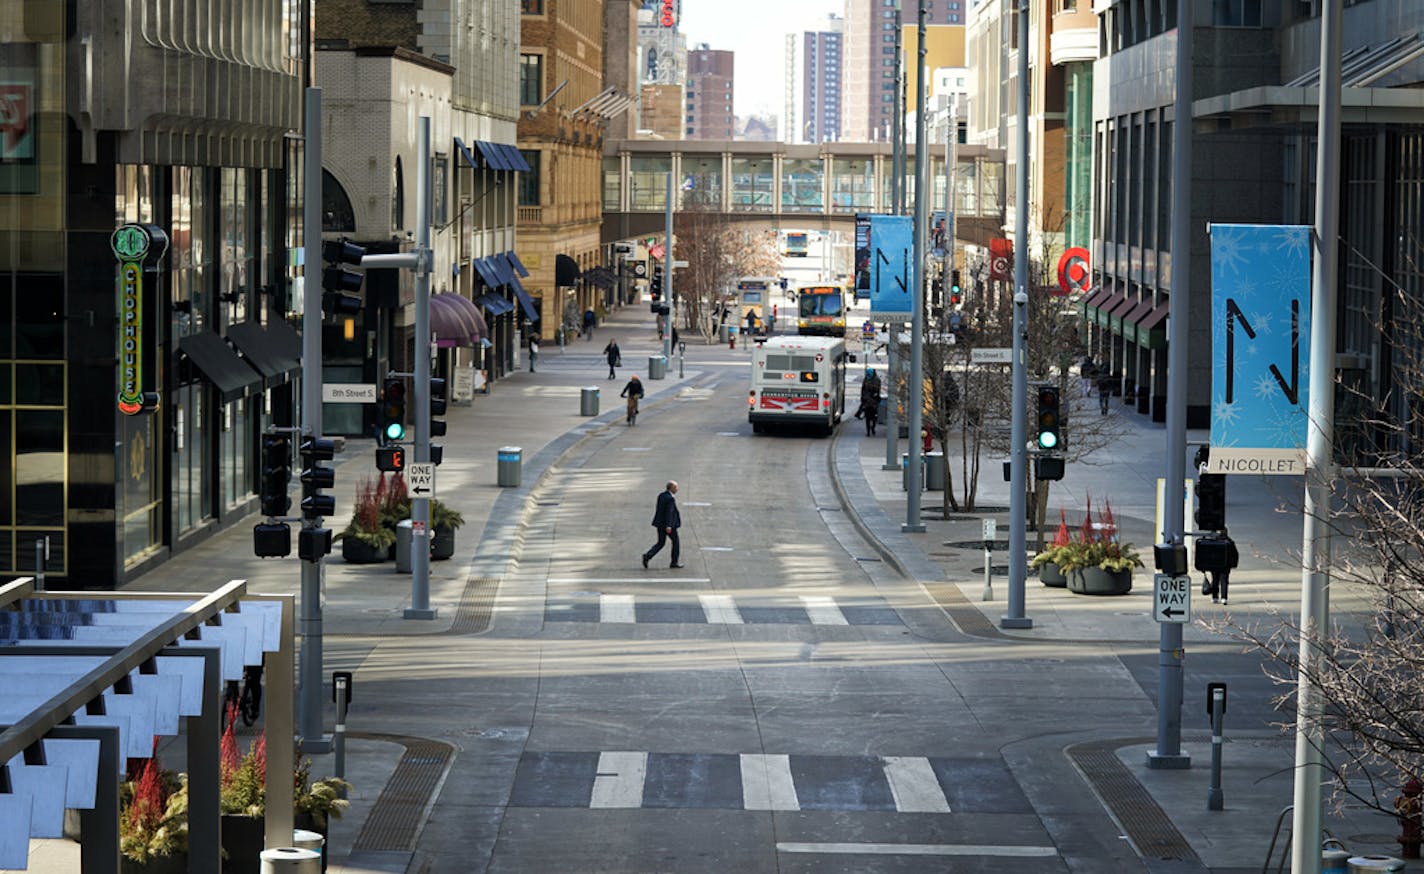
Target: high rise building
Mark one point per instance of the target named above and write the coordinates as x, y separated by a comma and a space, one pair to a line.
819, 81
868, 72
709, 94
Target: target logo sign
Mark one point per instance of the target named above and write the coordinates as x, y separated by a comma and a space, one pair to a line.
1001, 259
1073, 273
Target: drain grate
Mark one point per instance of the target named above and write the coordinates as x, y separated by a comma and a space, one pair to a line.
1146, 825
961, 612
476, 606
395, 818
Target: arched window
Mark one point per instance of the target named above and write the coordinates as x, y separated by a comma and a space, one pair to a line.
398, 199
336, 212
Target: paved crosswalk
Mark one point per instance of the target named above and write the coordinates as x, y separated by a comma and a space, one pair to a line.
719, 609
623, 779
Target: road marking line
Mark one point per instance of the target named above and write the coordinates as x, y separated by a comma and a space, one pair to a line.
917, 849
767, 783
720, 610
823, 610
616, 608
620, 780
914, 785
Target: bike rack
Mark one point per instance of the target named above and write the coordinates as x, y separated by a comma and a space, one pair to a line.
1325, 842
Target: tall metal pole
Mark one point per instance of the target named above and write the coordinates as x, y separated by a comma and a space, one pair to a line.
951, 175
667, 270
420, 504
1168, 753
897, 207
1320, 436
917, 287
310, 623
1018, 457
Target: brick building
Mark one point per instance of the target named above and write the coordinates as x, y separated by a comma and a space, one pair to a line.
709, 94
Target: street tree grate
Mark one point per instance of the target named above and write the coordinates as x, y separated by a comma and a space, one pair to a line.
476, 606
1137, 814
395, 818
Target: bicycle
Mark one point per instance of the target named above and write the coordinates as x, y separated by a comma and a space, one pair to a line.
246, 702
632, 409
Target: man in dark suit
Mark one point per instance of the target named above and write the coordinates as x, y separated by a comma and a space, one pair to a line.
667, 520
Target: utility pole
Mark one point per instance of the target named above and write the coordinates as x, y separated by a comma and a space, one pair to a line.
1018, 457
667, 270
1168, 754
1320, 437
313, 572
897, 207
914, 475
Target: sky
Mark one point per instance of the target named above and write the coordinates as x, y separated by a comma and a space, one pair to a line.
756, 30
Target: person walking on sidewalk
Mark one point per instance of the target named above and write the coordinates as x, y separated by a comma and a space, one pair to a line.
632, 391
667, 520
1104, 392
614, 356
533, 352
589, 320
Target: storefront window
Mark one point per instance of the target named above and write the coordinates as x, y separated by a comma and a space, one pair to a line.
235, 442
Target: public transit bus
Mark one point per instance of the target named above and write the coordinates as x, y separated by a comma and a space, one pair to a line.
821, 310
796, 244
797, 381
754, 296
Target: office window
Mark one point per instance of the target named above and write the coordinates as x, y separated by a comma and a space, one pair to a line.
531, 79
529, 182
532, 7
1236, 13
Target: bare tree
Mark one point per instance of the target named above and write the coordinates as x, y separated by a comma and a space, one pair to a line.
717, 251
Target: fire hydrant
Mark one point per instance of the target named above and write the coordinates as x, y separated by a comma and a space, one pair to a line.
732, 339
1407, 809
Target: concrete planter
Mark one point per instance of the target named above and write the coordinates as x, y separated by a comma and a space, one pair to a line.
442, 545
358, 551
1096, 581
1051, 576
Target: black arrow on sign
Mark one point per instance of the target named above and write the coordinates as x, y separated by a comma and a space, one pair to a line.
1173, 611
420, 490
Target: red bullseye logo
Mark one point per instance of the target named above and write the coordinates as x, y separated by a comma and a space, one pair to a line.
1073, 273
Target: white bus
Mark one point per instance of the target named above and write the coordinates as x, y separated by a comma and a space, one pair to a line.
798, 380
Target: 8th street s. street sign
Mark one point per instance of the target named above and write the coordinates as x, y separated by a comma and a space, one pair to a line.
1171, 598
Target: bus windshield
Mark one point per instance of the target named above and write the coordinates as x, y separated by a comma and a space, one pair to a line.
820, 304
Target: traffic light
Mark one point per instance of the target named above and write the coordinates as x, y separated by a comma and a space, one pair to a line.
1049, 417
956, 297
276, 474
655, 288
936, 291
393, 409
390, 459
271, 539
1211, 501
316, 476
341, 285
437, 406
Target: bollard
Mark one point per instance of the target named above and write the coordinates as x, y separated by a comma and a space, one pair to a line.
341, 687
291, 860
990, 532
1216, 706
681, 356
41, 558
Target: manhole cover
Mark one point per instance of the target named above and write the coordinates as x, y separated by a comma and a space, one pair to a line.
977, 544
993, 569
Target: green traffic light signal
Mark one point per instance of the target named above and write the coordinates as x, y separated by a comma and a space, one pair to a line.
395, 431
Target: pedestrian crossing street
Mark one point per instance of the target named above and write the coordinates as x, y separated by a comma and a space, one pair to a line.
759, 781
719, 609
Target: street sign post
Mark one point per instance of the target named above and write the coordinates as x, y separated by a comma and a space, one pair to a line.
348, 393
1171, 598
991, 356
420, 479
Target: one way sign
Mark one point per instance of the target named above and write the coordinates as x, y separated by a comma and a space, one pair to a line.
1172, 598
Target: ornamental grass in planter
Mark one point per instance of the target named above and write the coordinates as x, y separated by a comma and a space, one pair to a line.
1094, 562
153, 821
365, 540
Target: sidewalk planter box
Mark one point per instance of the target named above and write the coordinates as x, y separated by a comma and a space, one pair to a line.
357, 551
442, 545
174, 864
1096, 581
242, 840
1051, 576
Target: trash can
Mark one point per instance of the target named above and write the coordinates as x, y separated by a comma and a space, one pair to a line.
511, 464
725, 333
1333, 860
1374, 864
291, 860
905, 472
934, 471
305, 840
404, 534
657, 367
588, 401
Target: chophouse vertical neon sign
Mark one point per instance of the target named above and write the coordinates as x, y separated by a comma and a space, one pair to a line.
131, 245
669, 16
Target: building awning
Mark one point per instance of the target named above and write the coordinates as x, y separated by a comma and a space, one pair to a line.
263, 350
466, 154
494, 158
450, 325
502, 271
287, 340
486, 271
525, 301
517, 162
1151, 328
566, 270
1100, 313
496, 305
516, 263
1093, 301
467, 306
214, 359
1115, 315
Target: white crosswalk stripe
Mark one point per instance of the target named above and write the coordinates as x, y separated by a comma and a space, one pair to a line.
620, 780
720, 609
616, 608
914, 785
822, 610
767, 783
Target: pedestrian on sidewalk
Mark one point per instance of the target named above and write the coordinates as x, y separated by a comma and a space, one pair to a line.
751, 323
1104, 393
533, 352
590, 318
632, 391
614, 356
667, 520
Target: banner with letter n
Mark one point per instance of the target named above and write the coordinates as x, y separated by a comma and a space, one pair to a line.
892, 241
1260, 347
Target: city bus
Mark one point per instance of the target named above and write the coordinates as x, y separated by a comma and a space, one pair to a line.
798, 381
754, 296
796, 244
821, 310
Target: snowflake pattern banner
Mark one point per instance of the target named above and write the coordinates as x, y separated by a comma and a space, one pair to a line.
1260, 347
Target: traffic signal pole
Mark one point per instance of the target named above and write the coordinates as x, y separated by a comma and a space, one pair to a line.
309, 624
1018, 442
914, 475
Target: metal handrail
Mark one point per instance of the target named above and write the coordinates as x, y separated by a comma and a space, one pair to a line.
1286, 849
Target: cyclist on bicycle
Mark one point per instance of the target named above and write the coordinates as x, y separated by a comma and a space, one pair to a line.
632, 391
